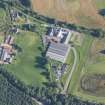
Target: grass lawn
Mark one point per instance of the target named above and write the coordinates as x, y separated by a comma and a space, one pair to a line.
90, 98
82, 52
94, 65
96, 68
24, 67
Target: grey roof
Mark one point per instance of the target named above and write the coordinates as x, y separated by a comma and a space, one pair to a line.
58, 51
58, 48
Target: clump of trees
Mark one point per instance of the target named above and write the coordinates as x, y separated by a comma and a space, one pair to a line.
14, 92
26, 3
23, 4
102, 12
10, 95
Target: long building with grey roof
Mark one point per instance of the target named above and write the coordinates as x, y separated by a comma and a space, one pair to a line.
58, 51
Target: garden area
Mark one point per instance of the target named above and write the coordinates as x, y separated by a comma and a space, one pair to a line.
82, 52
28, 64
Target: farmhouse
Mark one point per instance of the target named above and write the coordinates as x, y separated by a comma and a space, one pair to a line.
58, 35
6, 50
58, 51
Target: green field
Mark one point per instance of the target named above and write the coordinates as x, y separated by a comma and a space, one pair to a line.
100, 4
86, 67
92, 65
24, 67
82, 52
90, 98
96, 68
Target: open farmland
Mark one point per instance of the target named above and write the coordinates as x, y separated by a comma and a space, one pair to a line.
93, 72
81, 12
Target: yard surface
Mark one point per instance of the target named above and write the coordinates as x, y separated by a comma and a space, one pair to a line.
25, 65
81, 12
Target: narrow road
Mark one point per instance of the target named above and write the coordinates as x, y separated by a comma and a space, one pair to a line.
71, 72
37, 102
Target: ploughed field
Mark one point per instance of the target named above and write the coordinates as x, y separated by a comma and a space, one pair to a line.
81, 12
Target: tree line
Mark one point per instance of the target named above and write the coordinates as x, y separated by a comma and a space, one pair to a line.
48, 94
98, 32
10, 95
20, 4
15, 92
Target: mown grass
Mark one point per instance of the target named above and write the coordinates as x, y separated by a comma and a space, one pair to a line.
98, 68
82, 56
92, 66
25, 66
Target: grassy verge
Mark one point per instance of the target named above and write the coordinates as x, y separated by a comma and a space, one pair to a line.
82, 56
69, 62
90, 98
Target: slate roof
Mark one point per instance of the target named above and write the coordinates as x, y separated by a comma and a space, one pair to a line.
58, 51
